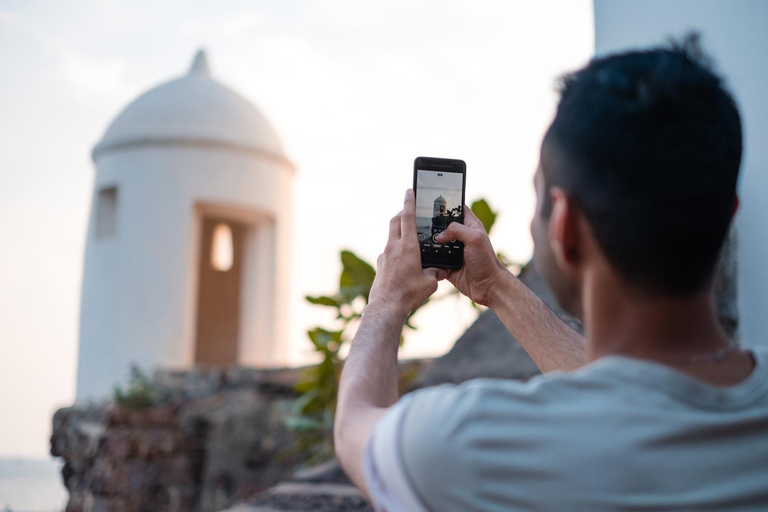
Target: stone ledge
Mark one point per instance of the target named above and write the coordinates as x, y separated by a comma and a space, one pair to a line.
324, 488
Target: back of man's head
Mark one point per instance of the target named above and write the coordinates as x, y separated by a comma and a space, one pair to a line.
648, 143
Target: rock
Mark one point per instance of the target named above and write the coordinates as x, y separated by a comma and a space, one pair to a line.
244, 443
487, 349
213, 438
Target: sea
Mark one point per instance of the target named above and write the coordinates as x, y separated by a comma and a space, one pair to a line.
31, 485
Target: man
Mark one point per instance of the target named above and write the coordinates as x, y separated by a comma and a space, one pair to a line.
656, 409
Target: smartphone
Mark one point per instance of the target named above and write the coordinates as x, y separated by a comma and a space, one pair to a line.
439, 186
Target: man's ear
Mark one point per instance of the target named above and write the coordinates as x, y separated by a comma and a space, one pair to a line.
563, 228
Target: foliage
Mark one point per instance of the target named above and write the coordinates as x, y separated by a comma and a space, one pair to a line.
487, 216
482, 211
454, 213
312, 413
140, 392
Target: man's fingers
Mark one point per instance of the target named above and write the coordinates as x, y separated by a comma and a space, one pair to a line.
432, 273
456, 231
408, 219
394, 228
441, 273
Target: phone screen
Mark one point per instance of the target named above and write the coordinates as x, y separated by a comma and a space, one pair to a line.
439, 202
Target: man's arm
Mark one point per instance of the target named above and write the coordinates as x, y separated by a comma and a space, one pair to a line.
368, 387
550, 342
369, 381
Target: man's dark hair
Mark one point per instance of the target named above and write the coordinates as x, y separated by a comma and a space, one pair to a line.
648, 144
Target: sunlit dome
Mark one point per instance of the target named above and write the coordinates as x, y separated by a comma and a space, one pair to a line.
193, 109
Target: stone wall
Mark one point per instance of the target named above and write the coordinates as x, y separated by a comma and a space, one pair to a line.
211, 439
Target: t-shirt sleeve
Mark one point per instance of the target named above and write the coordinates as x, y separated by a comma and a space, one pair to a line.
413, 461
435, 447
385, 478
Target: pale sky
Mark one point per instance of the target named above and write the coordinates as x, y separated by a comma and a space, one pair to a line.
341, 81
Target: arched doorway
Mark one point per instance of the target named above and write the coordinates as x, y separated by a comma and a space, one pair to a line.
220, 276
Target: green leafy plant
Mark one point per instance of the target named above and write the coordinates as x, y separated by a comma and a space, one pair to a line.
312, 413
140, 392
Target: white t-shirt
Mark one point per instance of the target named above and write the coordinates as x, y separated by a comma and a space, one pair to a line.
618, 434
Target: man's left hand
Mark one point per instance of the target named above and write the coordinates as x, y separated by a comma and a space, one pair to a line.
401, 285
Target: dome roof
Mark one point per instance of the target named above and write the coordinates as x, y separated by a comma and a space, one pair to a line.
193, 109
440, 199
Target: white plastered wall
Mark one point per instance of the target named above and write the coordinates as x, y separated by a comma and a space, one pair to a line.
140, 286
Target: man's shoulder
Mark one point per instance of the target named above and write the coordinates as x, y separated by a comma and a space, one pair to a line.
614, 389
553, 387
449, 435
598, 383
458, 413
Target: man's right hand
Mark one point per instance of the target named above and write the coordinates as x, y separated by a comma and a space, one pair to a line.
482, 270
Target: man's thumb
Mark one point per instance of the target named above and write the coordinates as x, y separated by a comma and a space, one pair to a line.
454, 231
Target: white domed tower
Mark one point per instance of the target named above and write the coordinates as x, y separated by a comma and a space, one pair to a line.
188, 241
440, 207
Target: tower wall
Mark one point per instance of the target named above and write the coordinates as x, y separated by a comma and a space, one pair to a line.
140, 283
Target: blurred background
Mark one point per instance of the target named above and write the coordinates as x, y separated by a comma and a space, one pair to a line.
354, 90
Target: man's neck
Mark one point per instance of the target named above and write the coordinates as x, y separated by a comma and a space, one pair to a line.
682, 332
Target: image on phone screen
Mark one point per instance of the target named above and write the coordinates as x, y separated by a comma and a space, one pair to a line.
439, 200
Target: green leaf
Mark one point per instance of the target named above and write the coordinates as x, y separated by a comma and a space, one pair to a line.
139, 393
323, 300
350, 293
306, 385
321, 337
482, 211
356, 276
301, 403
